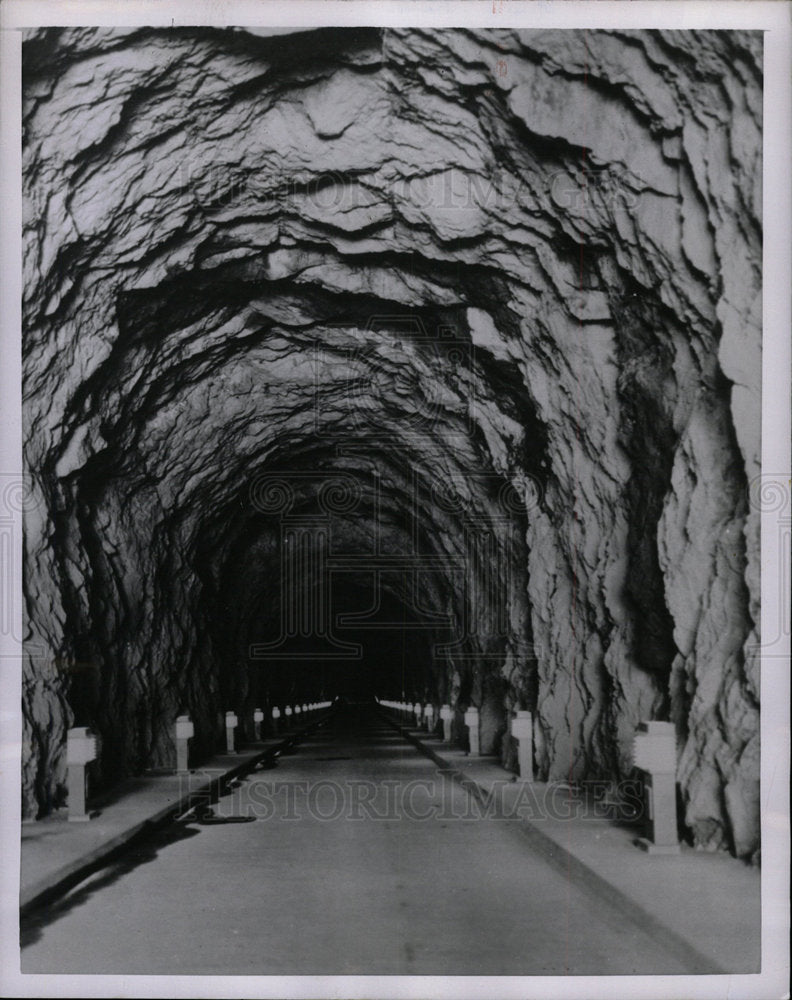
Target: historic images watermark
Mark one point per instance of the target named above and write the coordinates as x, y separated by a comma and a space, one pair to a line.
422, 799
575, 188
18, 499
306, 508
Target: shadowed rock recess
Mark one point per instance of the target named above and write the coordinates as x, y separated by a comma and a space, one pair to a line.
452, 333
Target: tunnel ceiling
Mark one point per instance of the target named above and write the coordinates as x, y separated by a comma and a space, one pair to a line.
487, 299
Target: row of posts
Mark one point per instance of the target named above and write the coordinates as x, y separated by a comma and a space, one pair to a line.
654, 757
83, 746
426, 718
280, 719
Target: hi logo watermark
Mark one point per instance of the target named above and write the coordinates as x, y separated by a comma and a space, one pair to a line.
309, 514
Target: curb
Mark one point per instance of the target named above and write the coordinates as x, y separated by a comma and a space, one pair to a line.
577, 871
63, 879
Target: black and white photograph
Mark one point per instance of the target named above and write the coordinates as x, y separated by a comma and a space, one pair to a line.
396, 527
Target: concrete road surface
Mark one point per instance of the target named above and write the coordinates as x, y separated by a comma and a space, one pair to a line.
362, 860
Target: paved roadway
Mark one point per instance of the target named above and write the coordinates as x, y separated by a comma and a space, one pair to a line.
362, 861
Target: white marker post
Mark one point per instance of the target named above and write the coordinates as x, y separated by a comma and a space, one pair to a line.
472, 723
81, 749
446, 715
231, 722
522, 731
185, 730
258, 718
654, 754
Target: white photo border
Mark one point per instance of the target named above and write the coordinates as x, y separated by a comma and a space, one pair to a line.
774, 19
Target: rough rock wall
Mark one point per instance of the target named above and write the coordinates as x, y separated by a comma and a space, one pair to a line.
547, 242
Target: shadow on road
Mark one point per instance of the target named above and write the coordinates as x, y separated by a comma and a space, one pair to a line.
32, 926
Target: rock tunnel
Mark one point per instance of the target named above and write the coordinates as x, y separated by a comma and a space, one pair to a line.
422, 364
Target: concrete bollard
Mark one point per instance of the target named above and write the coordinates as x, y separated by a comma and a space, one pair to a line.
654, 754
275, 719
185, 731
472, 723
231, 722
522, 731
258, 718
446, 715
81, 749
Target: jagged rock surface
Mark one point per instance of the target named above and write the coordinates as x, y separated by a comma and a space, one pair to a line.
243, 255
